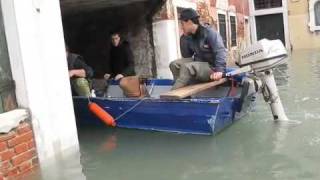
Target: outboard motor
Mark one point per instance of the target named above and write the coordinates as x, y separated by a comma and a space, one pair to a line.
262, 57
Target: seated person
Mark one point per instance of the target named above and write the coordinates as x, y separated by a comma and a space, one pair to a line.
121, 58
203, 51
78, 72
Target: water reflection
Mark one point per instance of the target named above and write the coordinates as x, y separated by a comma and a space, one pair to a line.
172, 156
281, 74
315, 63
147, 154
64, 166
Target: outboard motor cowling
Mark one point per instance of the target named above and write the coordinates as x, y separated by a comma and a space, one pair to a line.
264, 55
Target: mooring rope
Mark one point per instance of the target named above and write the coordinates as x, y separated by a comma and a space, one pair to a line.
134, 106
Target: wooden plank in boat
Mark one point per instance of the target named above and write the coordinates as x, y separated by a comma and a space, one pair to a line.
190, 90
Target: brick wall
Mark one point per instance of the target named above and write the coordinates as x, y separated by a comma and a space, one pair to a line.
242, 6
18, 157
207, 13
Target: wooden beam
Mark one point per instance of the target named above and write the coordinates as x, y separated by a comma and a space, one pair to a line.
190, 90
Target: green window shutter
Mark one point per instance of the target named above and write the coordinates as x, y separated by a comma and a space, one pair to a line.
7, 96
1, 106
7, 86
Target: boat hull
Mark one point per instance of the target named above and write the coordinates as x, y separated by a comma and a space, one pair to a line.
194, 116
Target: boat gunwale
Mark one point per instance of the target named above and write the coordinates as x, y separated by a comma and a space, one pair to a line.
153, 99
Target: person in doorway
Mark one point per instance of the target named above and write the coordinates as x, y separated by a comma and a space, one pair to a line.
203, 51
121, 58
79, 71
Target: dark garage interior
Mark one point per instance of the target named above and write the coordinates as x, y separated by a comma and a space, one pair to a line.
88, 24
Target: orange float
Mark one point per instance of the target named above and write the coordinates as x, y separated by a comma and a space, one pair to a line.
102, 114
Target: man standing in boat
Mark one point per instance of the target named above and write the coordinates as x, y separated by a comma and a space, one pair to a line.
206, 51
79, 71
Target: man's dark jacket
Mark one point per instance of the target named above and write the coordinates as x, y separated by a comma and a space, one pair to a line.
205, 45
121, 60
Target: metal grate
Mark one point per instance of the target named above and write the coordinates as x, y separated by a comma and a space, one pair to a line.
7, 96
233, 31
223, 28
7, 86
317, 13
265, 4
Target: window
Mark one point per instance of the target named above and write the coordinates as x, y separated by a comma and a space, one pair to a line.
223, 28
317, 13
233, 27
314, 13
270, 26
7, 93
265, 4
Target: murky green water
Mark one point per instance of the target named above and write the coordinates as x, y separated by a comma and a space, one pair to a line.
253, 148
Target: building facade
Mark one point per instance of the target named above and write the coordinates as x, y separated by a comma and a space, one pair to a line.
304, 24
294, 22
37, 121
269, 20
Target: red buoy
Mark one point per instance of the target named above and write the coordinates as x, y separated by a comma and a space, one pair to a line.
102, 114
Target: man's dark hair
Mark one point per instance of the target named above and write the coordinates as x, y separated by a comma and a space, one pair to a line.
189, 14
116, 33
195, 20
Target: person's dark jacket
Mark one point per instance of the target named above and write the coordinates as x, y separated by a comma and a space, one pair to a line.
75, 61
186, 46
121, 60
205, 45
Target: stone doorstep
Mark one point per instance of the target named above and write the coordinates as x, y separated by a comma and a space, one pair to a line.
10, 120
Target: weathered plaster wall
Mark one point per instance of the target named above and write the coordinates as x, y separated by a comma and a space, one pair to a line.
300, 35
165, 44
81, 6
242, 10
208, 13
143, 50
166, 12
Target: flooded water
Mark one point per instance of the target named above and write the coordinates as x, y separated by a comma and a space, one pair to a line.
253, 148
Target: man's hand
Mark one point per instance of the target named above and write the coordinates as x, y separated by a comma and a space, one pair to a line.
106, 76
118, 77
77, 73
216, 76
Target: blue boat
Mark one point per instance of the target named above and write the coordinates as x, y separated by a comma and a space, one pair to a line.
204, 113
